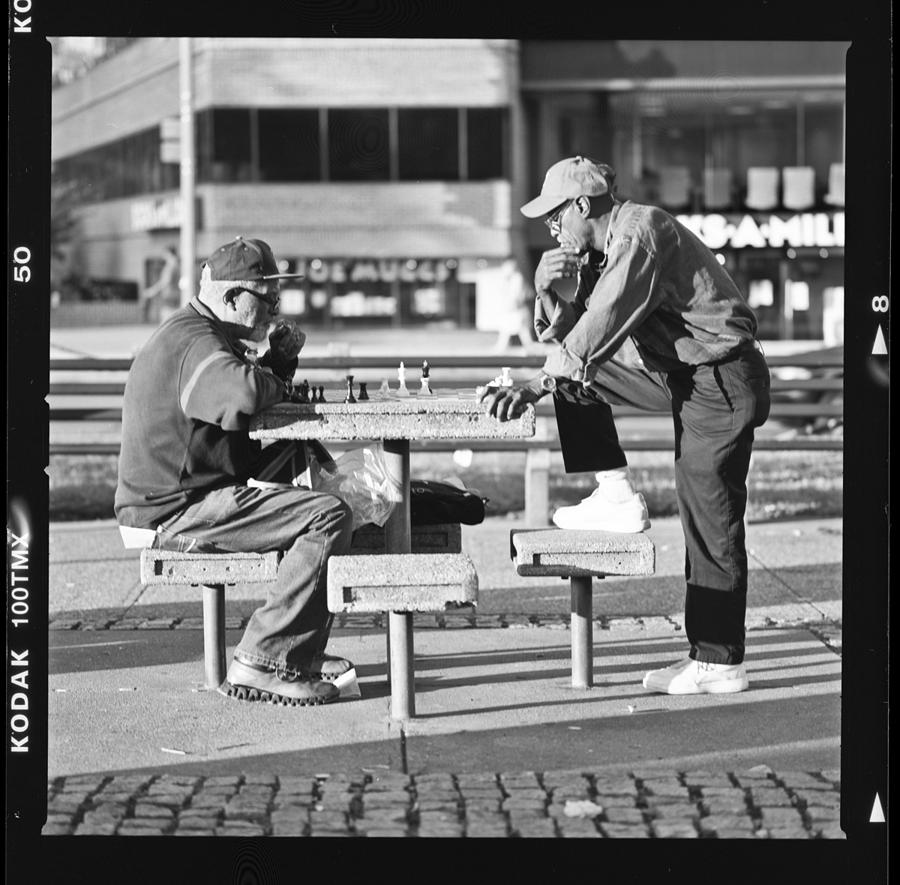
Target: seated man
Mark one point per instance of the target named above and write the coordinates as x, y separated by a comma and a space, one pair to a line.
186, 457
642, 275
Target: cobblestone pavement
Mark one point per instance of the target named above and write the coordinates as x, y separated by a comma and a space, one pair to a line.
828, 631
755, 804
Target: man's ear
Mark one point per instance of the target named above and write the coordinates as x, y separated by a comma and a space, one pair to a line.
583, 204
229, 297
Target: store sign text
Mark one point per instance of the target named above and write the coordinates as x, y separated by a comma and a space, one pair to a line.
816, 229
365, 270
153, 214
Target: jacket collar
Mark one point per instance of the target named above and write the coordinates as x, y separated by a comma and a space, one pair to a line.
237, 345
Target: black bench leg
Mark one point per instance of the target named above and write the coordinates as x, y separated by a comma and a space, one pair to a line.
582, 632
214, 634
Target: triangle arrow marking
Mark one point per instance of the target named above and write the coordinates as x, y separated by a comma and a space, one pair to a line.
877, 815
879, 348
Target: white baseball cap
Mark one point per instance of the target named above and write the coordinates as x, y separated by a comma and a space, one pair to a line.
568, 179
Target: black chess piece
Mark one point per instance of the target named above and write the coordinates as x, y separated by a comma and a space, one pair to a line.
363, 393
350, 398
304, 391
322, 393
425, 382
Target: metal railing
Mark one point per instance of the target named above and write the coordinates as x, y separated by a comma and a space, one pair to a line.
798, 399
804, 401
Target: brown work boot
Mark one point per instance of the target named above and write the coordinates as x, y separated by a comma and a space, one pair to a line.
248, 683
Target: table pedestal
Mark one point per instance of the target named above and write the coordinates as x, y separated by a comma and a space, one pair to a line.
582, 632
397, 539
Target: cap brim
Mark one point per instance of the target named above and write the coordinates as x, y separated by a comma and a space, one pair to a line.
283, 276
542, 205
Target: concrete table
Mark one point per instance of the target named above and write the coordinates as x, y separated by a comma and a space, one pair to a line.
394, 421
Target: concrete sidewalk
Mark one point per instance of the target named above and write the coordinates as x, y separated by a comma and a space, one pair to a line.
501, 743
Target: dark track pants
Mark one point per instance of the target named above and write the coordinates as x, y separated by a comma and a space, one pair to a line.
715, 409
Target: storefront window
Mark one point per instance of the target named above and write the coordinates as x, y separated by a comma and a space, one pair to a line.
486, 143
366, 289
374, 301
358, 145
289, 149
428, 144
231, 160
693, 149
823, 132
288, 144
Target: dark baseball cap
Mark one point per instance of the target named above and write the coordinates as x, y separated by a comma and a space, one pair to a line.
245, 259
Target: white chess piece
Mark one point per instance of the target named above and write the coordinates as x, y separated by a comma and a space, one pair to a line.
385, 387
401, 377
505, 378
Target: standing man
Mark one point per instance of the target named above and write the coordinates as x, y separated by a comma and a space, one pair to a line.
644, 276
186, 457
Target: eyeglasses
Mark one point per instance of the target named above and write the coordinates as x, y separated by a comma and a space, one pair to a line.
273, 299
554, 218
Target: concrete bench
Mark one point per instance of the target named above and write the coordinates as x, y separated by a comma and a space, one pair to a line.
400, 584
443, 538
213, 572
581, 556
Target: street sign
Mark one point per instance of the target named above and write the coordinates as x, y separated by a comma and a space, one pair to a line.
170, 129
170, 152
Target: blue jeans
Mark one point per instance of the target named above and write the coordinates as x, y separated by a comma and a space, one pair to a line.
293, 625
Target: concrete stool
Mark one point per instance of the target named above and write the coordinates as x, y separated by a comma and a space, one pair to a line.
442, 538
581, 556
212, 572
401, 583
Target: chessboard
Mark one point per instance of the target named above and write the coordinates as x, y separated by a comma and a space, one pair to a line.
304, 393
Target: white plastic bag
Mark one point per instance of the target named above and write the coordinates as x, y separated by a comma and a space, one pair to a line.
360, 478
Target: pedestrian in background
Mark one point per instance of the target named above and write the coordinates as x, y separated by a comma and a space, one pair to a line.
516, 299
641, 274
161, 299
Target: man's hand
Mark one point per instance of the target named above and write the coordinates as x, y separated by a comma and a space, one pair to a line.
285, 341
555, 264
508, 403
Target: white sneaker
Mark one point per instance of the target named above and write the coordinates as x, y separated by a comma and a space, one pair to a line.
597, 513
697, 677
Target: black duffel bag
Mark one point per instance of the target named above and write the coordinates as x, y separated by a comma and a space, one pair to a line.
434, 503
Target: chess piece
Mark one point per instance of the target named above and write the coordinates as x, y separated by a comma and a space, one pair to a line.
425, 389
304, 391
401, 377
505, 378
363, 393
350, 398
321, 393
385, 387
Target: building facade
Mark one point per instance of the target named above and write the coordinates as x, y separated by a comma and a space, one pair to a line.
390, 172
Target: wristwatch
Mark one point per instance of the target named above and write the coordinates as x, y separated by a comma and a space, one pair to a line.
548, 383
